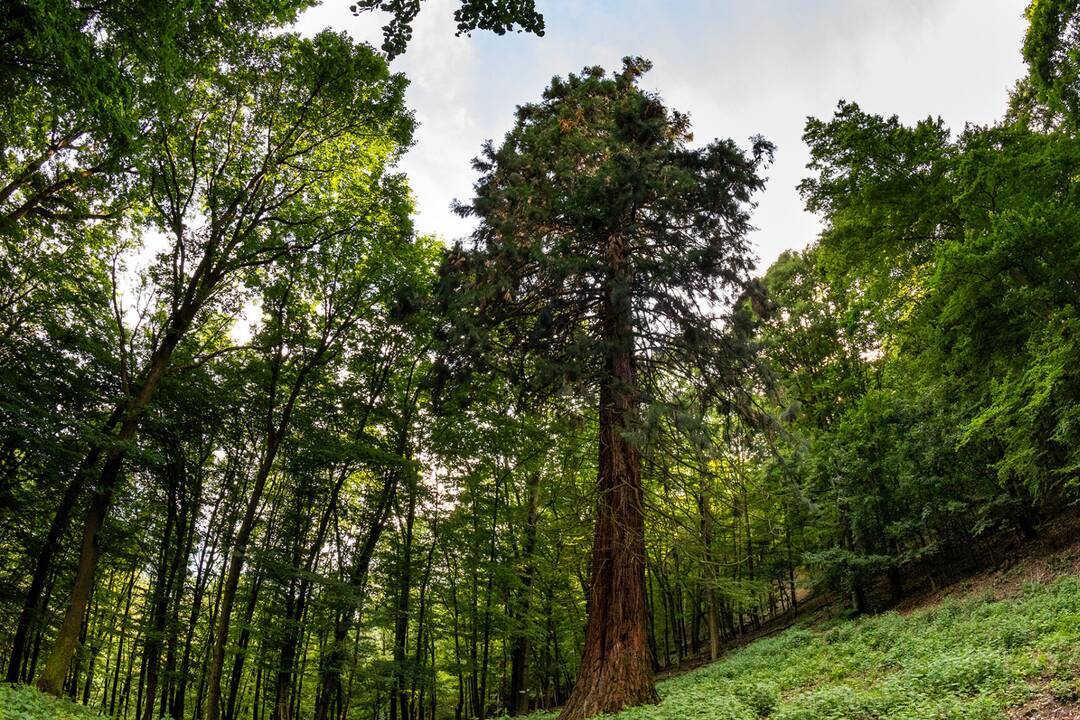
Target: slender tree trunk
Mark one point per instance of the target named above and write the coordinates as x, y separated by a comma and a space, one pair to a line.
125, 697
519, 655
474, 616
202, 580
242, 645
139, 691
120, 646
455, 617
159, 603
107, 675
296, 610
650, 611
330, 692
858, 591
400, 697
292, 620
615, 670
275, 434
791, 568
482, 693
56, 667
712, 606
421, 627
35, 597
232, 580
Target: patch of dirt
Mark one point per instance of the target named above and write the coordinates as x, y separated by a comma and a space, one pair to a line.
1055, 553
1045, 707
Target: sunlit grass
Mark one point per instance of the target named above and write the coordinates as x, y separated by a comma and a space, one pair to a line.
963, 659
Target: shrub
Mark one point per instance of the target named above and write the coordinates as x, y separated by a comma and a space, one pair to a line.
23, 702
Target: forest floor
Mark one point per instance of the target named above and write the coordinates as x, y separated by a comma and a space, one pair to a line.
1003, 643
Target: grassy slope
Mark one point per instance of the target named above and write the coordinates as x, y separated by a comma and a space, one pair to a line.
971, 658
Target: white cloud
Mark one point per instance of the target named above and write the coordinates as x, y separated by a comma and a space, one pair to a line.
739, 68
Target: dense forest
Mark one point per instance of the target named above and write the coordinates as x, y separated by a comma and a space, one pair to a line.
267, 452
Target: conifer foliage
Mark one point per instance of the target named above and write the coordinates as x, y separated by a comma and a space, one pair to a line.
608, 248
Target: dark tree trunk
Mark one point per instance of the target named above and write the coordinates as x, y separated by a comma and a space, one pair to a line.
56, 667
650, 613
519, 654
296, 609
615, 670
35, 597
709, 566
896, 582
110, 708
232, 580
485, 654
167, 568
330, 691
791, 567
399, 700
242, 647
202, 577
421, 627
275, 434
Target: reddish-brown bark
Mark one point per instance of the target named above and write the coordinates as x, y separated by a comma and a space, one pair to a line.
615, 670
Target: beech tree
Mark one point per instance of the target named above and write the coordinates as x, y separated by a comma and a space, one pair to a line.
607, 252
283, 154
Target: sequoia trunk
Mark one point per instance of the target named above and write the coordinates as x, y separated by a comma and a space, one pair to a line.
615, 671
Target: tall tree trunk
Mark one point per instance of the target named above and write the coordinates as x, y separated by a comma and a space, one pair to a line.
400, 697
455, 617
330, 690
615, 671
650, 612
51, 679
34, 602
242, 646
791, 566
709, 565
275, 434
421, 627
482, 693
292, 621
295, 610
160, 602
110, 709
189, 513
56, 667
519, 655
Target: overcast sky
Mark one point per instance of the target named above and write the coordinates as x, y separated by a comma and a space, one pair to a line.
739, 68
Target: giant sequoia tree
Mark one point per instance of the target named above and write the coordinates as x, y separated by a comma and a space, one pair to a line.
606, 250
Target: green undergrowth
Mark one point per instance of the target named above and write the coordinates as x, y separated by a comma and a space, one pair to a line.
962, 659
23, 702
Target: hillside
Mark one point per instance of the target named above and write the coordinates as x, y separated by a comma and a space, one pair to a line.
1000, 644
